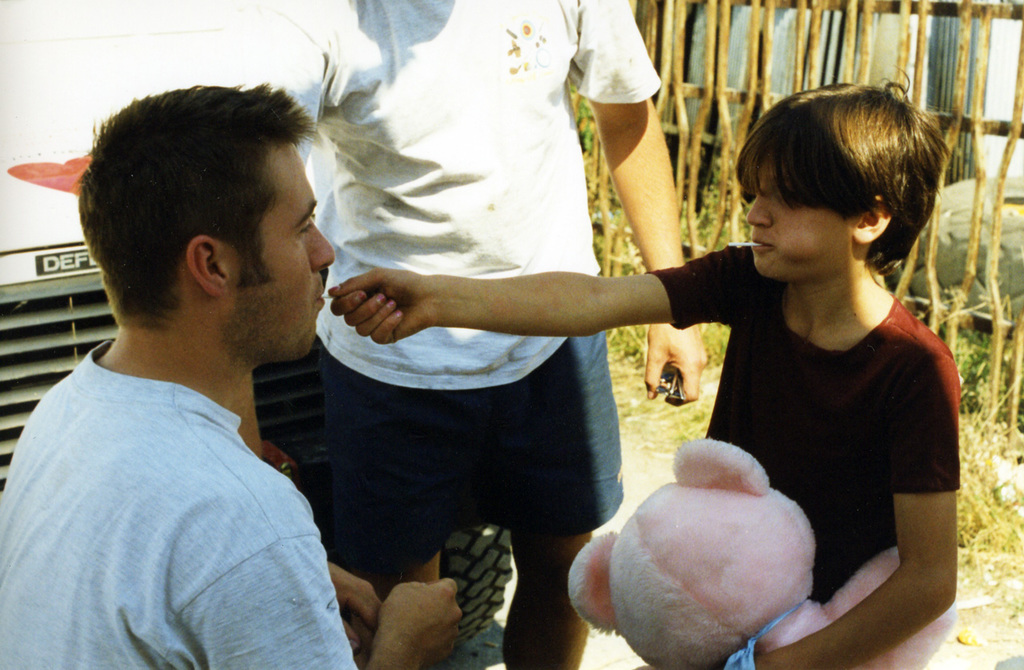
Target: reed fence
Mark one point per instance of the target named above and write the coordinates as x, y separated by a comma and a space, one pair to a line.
723, 62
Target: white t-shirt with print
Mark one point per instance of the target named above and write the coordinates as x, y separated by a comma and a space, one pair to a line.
450, 146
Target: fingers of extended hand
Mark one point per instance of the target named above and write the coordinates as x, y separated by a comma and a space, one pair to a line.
376, 317
382, 308
364, 314
343, 304
385, 332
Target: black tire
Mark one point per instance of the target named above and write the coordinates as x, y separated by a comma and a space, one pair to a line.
479, 559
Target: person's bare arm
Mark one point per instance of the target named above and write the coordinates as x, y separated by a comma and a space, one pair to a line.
921, 589
388, 305
634, 147
637, 156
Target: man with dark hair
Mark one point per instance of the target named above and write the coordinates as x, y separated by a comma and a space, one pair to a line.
136, 528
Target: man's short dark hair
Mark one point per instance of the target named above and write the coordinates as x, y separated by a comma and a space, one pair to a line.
850, 148
175, 165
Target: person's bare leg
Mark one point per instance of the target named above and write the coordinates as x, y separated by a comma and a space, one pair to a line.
383, 583
543, 629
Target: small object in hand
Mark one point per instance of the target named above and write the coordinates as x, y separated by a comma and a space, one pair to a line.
671, 386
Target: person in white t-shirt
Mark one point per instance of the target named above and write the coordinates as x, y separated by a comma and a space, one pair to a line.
136, 528
450, 146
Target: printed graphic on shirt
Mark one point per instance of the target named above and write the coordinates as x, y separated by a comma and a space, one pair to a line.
528, 56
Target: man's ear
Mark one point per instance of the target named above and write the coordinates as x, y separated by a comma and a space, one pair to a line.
872, 224
211, 264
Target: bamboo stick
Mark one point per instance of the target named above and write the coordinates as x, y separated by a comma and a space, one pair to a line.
923, 11
999, 326
746, 115
646, 13
980, 180
904, 53
603, 206
768, 30
724, 122
682, 117
921, 52
867, 46
801, 40
978, 138
1017, 359
850, 41
1016, 374
668, 33
697, 132
814, 46
952, 135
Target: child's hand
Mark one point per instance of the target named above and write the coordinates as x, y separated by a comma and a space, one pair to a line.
344, 304
368, 315
373, 316
370, 303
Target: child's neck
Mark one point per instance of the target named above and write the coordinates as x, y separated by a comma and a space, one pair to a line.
838, 314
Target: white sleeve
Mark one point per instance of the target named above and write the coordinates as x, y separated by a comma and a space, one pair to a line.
611, 64
289, 45
277, 609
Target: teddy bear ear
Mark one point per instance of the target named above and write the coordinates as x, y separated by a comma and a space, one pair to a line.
590, 583
713, 464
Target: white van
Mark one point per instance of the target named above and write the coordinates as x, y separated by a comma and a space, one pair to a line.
64, 66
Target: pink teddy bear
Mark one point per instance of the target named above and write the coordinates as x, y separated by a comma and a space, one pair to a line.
707, 562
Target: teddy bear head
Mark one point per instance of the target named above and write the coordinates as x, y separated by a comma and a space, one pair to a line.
702, 565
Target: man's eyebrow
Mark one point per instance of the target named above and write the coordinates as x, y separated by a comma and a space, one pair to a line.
309, 213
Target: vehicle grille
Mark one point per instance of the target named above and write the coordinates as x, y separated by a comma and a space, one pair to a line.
46, 328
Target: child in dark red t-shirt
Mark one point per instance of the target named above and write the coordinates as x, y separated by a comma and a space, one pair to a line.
846, 399
838, 431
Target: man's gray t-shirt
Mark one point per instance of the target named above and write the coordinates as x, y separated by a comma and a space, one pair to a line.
137, 530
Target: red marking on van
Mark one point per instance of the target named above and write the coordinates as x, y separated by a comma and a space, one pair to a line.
59, 176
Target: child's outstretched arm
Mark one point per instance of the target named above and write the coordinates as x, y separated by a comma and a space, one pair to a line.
388, 305
922, 588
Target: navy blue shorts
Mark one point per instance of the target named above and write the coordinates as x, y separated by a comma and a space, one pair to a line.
540, 455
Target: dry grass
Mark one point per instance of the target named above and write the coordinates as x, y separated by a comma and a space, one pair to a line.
990, 503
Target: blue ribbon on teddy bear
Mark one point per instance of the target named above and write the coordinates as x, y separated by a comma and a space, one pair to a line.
743, 659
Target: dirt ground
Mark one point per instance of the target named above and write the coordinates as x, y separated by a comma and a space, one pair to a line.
991, 604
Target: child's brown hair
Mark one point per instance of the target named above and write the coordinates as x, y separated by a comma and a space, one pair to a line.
851, 148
